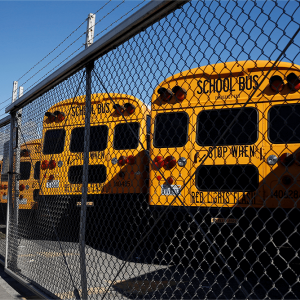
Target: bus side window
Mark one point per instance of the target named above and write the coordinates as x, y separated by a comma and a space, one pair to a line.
148, 125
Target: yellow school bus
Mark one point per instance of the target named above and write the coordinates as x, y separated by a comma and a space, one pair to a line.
118, 165
225, 139
29, 178
3, 197
29, 175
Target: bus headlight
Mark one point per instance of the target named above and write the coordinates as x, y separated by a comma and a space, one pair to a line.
272, 160
182, 162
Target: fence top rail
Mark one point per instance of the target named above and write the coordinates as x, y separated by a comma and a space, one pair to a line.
144, 17
4, 121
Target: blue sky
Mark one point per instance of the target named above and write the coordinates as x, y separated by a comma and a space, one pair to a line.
205, 33
30, 30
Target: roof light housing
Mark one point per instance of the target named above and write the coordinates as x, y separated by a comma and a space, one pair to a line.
130, 108
179, 92
276, 83
60, 116
165, 94
293, 82
51, 116
119, 109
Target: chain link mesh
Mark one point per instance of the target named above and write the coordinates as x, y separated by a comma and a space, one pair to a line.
192, 185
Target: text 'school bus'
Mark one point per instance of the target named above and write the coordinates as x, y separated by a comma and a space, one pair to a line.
118, 164
250, 182
29, 179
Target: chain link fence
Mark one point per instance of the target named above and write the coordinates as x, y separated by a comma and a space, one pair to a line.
165, 167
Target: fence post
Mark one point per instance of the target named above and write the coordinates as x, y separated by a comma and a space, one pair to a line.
10, 207
89, 68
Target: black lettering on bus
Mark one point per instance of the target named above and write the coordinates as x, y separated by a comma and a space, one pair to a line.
225, 149
212, 85
204, 91
210, 152
226, 85
255, 81
107, 107
241, 83
199, 85
234, 151
248, 82
252, 151
219, 85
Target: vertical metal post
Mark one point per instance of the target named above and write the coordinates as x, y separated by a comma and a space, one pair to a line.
90, 30
10, 206
88, 106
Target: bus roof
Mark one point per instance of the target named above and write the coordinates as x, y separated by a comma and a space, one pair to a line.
236, 68
97, 98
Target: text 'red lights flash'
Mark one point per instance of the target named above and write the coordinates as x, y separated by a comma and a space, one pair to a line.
276, 83
293, 81
179, 93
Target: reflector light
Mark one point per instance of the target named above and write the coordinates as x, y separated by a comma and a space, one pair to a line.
272, 160
21, 197
158, 162
165, 94
158, 177
60, 116
293, 81
21, 187
130, 160
52, 164
25, 153
287, 180
114, 161
287, 159
179, 92
44, 164
51, 116
129, 108
170, 180
170, 162
119, 109
182, 161
122, 160
276, 83
51, 177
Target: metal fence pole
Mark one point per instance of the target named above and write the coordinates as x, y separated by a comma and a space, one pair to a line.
89, 68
